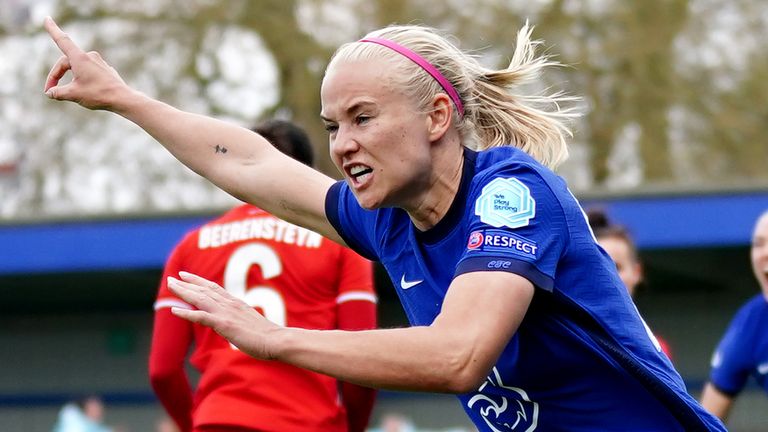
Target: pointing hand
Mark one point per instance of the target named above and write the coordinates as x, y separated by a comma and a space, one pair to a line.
94, 85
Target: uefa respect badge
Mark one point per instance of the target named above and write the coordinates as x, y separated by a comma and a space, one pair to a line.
506, 202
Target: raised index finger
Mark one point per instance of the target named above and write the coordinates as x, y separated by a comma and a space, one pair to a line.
62, 40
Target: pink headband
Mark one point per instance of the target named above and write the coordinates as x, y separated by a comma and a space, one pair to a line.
419, 60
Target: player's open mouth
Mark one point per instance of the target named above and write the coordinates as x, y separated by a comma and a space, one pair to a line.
359, 174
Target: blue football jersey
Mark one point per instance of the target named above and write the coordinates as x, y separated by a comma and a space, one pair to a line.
743, 351
582, 358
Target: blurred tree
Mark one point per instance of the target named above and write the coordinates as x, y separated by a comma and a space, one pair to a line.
673, 90
722, 65
299, 58
192, 54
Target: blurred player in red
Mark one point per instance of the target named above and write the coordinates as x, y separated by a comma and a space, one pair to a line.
620, 246
295, 278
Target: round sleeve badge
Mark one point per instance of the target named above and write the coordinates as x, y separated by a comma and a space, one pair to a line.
505, 202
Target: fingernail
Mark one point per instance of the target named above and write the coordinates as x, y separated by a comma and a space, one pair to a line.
49, 93
184, 274
172, 280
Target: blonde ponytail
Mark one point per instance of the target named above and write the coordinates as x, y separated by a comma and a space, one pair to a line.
498, 116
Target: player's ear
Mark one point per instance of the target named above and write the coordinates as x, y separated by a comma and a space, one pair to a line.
439, 116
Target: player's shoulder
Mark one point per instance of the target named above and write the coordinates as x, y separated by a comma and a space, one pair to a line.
754, 309
511, 173
506, 157
378, 220
495, 158
510, 162
751, 319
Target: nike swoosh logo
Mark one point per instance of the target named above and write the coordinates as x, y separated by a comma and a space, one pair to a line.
762, 369
404, 284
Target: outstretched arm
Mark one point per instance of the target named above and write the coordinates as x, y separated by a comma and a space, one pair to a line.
716, 402
356, 310
171, 338
235, 159
454, 354
357, 315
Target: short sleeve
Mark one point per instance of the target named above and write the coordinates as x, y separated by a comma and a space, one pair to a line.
516, 224
730, 362
353, 223
355, 278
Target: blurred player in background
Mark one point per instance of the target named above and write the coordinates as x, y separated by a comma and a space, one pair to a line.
618, 243
83, 415
295, 278
743, 350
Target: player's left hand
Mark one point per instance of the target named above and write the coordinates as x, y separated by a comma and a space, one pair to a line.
229, 316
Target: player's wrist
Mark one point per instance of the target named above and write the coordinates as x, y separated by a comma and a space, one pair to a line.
278, 342
131, 103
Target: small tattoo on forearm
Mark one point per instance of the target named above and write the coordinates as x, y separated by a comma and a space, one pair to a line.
220, 149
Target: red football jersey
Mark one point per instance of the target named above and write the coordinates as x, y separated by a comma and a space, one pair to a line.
295, 278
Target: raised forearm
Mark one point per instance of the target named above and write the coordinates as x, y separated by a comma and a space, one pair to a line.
236, 159
716, 402
212, 148
359, 402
